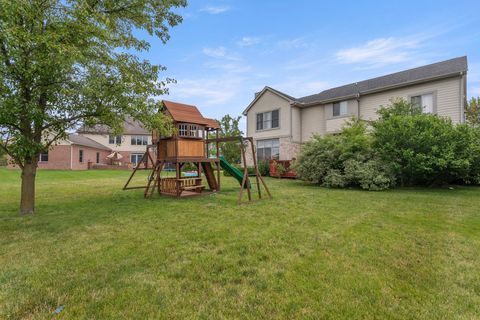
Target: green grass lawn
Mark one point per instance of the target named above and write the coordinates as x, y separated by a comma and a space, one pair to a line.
311, 252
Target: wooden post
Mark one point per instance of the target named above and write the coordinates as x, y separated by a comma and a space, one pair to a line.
255, 165
218, 161
134, 171
245, 180
256, 169
177, 182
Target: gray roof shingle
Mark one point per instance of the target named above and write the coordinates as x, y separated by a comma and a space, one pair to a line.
130, 126
423, 73
86, 142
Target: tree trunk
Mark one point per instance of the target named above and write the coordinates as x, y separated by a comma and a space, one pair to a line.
27, 201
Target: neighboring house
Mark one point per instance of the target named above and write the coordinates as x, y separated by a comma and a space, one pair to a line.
74, 153
131, 144
280, 123
91, 146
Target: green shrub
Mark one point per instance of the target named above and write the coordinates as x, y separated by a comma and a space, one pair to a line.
371, 175
424, 149
342, 160
334, 178
403, 146
264, 168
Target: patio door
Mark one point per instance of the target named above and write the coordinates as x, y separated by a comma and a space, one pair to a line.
135, 158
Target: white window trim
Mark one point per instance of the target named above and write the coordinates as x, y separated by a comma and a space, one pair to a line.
269, 111
116, 142
422, 93
341, 115
141, 136
263, 140
40, 157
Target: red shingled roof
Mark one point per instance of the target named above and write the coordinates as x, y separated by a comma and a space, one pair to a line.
187, 113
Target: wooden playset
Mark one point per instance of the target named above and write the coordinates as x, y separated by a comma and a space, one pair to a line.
193, 142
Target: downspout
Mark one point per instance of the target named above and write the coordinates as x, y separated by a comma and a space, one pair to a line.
358, 100
71, 156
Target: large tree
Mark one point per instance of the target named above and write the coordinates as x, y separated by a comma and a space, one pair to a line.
65, 62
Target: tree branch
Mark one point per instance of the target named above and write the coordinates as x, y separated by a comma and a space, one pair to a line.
4, 147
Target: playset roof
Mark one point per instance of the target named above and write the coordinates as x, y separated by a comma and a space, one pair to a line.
187, 113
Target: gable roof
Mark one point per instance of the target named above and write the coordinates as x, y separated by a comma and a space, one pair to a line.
130, 126
274, 91
184, 112
181, 112
439, 70
87, 142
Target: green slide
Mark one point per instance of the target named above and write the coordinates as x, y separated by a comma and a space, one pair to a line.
234, 172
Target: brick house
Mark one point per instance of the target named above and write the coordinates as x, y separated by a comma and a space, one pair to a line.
90, 146
131, 144
74, 153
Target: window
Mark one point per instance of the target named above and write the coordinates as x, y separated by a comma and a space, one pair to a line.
115, 139
190, 130
425, 101
43, 157
97, 160
268, 120
268, 149
80, 156
135, 158
139, 140
340, 109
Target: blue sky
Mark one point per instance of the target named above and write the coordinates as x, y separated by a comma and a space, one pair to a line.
225, 51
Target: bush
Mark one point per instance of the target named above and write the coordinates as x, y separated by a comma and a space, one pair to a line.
404, 145
342, 160
264, 168
424, 149
371, 175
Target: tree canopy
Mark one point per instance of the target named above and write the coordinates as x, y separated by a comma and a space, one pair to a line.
472, 111
229, 127
66, 62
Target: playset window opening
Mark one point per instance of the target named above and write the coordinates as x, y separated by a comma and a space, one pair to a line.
187, 130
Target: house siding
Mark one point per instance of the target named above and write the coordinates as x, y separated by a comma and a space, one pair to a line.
268, 102
313, 122
125, 146
447, 93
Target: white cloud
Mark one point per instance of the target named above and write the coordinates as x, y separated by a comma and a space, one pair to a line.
214, 91
380, 52
235, 67
215, 9
220, 53
296, 43
248, 41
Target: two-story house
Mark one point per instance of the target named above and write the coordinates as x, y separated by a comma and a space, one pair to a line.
280, 123
93, 146
131, 144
